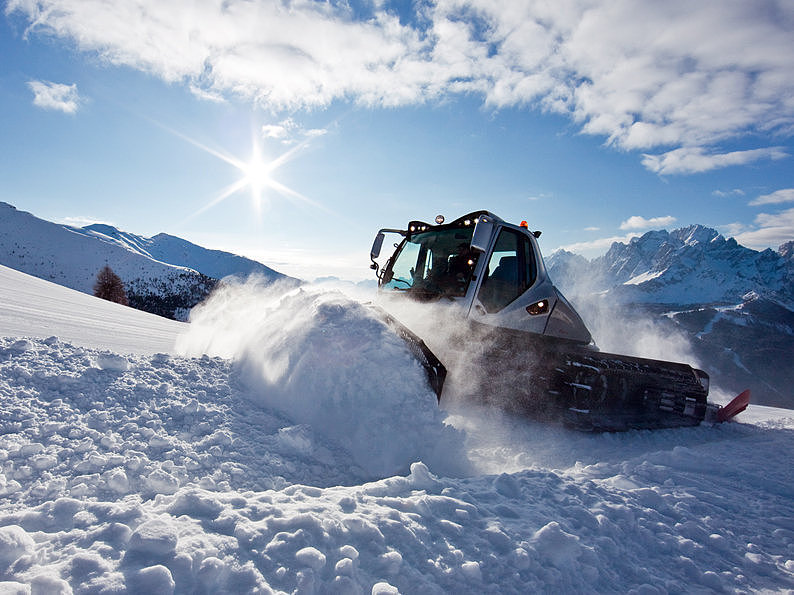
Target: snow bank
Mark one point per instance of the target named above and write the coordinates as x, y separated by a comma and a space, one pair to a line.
159, 476
327, 361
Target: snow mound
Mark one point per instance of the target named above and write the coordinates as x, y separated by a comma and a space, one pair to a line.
326, 361
163, 478
14, 543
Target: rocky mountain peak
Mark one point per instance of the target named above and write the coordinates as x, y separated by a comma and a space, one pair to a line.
696, 234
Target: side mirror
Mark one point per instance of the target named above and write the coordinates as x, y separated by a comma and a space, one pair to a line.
377, 245
482, 234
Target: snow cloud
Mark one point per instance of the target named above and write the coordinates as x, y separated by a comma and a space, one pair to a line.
322, 359
638, 222
55, 96
777, 197
676, 76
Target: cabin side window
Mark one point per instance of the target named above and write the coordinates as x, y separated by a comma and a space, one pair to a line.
511, 271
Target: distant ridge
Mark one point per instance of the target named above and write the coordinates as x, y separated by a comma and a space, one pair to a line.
164, 275
178, 252
686, 266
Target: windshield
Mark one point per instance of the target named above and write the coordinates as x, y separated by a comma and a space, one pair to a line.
433, 264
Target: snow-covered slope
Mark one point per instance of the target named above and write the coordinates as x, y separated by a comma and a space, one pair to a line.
312, 459
69, 256
176, 251
163, 275
34, 307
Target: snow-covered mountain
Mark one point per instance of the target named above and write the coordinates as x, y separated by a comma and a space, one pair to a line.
734, 304
164, 274
291, 465
689, 266
176, 251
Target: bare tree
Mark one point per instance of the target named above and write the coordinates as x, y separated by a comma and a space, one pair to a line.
109, 286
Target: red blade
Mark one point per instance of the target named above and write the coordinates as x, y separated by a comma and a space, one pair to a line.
735, 407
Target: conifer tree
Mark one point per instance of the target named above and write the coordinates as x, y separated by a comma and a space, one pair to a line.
109, 286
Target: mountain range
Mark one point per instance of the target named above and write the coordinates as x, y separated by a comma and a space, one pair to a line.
734, 306
691, 265
164, 274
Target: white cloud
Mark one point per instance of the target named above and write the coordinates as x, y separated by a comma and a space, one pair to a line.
206, 95
287, 130
677, 75
689, 160
593, 248
277, 131
315, 132
777, 197
597, 247
637, 222
55, 96
771, 231
540, 196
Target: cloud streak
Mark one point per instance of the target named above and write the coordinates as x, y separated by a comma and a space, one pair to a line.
676, 80
287, 130
692, 160
777, 197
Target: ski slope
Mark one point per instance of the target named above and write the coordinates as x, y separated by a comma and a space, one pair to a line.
33, 307
284, 442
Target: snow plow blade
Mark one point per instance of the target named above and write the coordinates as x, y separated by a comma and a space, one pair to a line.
731, 410
435, 370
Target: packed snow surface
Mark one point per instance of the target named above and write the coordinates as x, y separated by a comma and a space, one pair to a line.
285, 442
30, 306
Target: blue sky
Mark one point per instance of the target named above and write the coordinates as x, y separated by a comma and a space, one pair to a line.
291, 131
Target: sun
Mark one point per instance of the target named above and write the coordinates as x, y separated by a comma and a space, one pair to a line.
256, 174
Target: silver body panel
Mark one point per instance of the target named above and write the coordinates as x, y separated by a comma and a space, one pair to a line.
537, 308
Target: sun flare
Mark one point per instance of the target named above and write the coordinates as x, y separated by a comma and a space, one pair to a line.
256, 174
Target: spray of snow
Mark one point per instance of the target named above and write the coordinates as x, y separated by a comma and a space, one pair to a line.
495, 440
322, 359
619, 329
